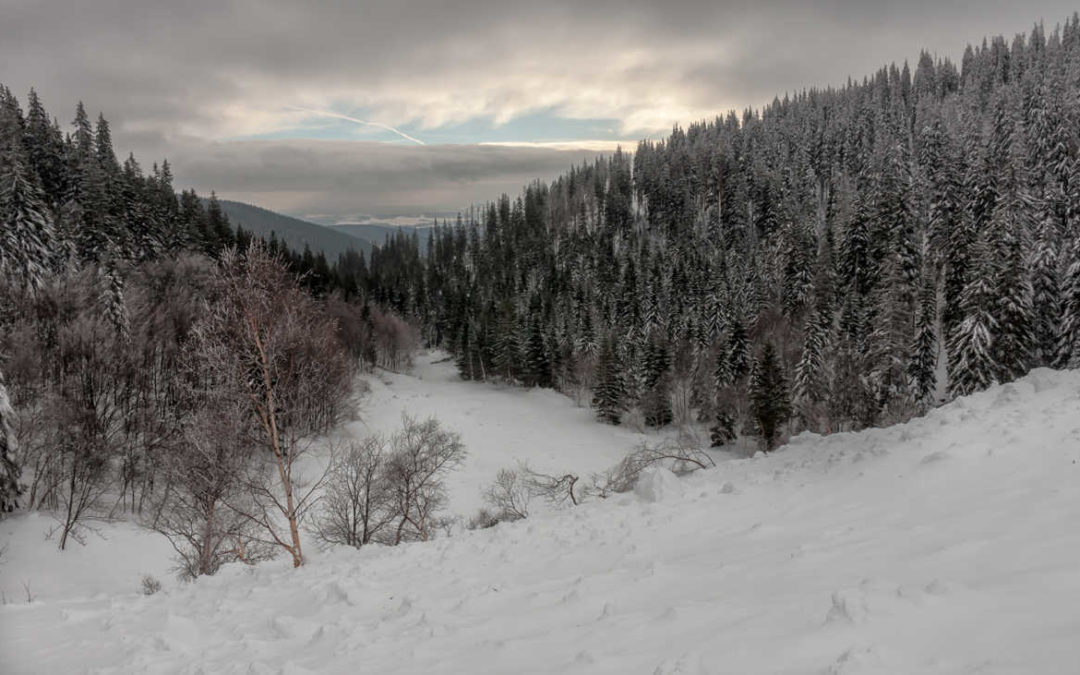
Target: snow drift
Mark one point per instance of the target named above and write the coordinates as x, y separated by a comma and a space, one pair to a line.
945, 545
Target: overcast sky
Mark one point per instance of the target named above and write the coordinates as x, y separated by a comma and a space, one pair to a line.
337, 110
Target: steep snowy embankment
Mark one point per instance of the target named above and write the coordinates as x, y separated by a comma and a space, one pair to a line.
947, 545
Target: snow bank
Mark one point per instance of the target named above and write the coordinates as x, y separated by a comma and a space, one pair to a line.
657, 484
947, 545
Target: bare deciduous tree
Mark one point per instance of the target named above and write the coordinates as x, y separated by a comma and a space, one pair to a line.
509, 495
421, 455
204, 478
556, 490
356, 502
284, 360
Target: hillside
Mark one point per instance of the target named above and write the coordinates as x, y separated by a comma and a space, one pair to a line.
293, 231
944, 545
376, 233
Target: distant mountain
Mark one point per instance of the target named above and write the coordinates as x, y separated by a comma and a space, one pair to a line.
295, 232
376, 232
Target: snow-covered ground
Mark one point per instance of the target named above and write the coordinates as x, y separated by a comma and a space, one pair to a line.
499, 425
946, 545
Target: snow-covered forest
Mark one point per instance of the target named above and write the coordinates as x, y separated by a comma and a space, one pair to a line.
146, 346
790, 390
897, 241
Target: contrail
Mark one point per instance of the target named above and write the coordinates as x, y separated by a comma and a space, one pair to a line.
339, 116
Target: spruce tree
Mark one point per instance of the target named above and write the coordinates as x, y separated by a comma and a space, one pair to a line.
609, 397
506, 359
722, 430
1069, 337
770, 401
1013, 338
738, 350
922, 369
811, 379
45, 152
10, 487
27, 236
1046, 297
537, 371
113, 296
971, 346
656, 395
219, 232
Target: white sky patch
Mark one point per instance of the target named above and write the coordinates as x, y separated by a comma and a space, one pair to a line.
627, 145
395, 221
326, 113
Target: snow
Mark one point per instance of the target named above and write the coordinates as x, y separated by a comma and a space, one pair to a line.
499, 425
656, 484
114, 559
946, 545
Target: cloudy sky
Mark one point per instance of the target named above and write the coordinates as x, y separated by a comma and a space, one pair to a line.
337, 110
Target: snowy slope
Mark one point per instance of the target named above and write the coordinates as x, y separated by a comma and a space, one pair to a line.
499, 425
947, 545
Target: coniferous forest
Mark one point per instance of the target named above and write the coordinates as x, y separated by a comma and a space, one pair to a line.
843, 258
790, 388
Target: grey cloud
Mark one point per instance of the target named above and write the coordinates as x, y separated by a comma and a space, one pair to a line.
330, 177
173, 76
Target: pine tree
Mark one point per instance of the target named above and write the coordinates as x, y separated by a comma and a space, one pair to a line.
971, 346
10, 487
859, 267
1069, 339
44, 152
811, 378
609, 397
537, 371
115, 309
506, 359
1013, 339
27, 236
1045, 297
770, 401
656, 396
739, 350
219, 232
722, 430
922, 369
798, 267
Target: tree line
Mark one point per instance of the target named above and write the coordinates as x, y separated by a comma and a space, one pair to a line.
842, 258
157, 361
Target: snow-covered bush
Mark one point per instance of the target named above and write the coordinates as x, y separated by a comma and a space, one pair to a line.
679, 459
150, 585
509, 495
482, 520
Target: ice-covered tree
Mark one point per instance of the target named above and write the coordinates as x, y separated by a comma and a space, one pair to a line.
27, 235
971, 346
